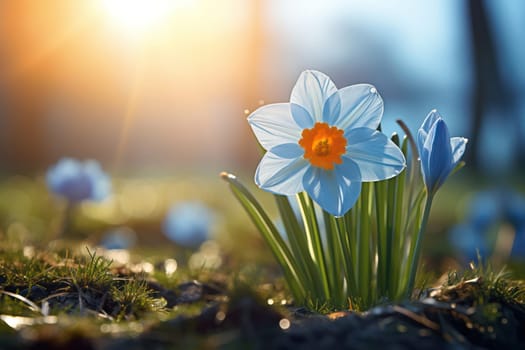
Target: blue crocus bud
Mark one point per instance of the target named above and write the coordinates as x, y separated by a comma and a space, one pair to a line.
78, 181
189, 224
438, 152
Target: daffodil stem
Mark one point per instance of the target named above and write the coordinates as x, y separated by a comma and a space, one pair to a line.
417, 246
398, 236
297, 239
347, 257
315, 244
390, 217
382, 248
364, 244
337, 261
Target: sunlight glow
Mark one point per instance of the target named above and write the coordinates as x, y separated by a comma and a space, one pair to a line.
138, 16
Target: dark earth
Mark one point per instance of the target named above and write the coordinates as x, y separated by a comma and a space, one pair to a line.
470, 314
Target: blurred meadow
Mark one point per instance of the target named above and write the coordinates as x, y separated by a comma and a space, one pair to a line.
158, 92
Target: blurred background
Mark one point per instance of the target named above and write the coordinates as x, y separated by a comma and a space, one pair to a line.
160, 89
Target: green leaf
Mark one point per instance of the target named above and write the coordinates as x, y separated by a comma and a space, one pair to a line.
295, 279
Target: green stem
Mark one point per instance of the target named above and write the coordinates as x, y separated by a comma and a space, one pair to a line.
348, 266
296, 280
336, 261
417, 247
390, 218
398, 235
364, 245
67, 220
315, 244
297, 241
380, 204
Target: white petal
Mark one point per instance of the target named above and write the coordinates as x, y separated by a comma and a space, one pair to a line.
420, 142
430, 120
311, 91
273, 124
458, 145
288, 150
301, 116
331, 190
361, 106
376, 155
332, 109
349, 170
281, 175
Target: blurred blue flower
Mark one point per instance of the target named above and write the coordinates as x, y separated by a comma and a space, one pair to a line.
472, 236
189, 224
485, 210
78, 181
518, 246
324, 142
119, 238
514, 213
488, 210
439, 153
514, 208
469, 241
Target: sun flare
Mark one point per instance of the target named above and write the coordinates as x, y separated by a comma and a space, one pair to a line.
138, 16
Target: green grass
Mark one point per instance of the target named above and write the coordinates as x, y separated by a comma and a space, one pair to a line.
67, 292
80, 284
481, 284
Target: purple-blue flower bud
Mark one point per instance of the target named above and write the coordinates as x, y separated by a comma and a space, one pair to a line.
438, 152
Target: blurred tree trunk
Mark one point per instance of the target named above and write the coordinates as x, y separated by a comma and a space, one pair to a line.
489, 89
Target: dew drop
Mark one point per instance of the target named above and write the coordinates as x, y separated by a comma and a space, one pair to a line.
220, 316
373, 90
29, 251
284, 323
170, 266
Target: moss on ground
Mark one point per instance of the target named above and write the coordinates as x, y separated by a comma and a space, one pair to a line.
78, 298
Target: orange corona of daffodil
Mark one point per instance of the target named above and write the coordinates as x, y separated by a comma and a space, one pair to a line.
323, 145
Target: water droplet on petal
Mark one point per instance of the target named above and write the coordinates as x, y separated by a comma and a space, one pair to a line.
373, 90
